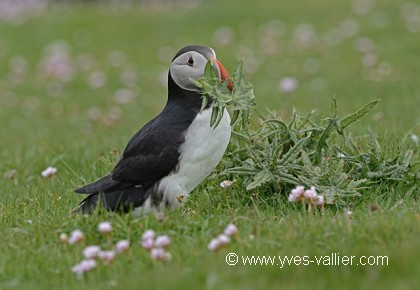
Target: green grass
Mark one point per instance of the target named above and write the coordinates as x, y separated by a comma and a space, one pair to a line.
39, 130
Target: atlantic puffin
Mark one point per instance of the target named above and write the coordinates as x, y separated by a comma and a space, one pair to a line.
167, 158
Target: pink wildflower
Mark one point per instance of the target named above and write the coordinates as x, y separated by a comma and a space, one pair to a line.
122, 246
75, 237
49, 172
162, 241
106, 256
105, 228
231, 230
91, 252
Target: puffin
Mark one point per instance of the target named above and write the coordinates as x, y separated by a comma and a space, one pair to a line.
173, 153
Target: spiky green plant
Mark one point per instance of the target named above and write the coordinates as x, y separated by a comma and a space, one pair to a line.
276, 155
240, 100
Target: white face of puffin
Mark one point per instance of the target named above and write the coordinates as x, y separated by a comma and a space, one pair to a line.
191, 65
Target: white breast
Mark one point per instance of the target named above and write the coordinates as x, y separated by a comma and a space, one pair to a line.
199, 155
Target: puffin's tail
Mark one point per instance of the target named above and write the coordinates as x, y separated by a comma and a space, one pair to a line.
104, 184
120, 200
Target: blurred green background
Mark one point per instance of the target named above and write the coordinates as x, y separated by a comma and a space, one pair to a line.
70, 70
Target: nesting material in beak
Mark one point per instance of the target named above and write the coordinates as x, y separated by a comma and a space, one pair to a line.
223, 74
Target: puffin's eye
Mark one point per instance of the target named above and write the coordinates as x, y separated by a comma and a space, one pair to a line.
190, 61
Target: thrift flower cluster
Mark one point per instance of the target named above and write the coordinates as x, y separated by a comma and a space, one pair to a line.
156, 245
93, 253
309, 196
226, 183
105, 228
223, 239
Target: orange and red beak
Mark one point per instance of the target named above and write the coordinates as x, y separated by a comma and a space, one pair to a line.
223, 74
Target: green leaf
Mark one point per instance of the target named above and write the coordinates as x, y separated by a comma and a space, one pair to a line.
334, 107
240, 136
343, 123
245, 116
280, 123
214, 116
209, 71
415, 167
293, 152
204, 103
240, 170
259, 179
407, 158
322, 141
234, 117
220, 112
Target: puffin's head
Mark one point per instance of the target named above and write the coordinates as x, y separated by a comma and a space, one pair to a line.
190, 62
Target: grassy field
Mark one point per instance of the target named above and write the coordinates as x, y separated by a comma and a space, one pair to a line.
76, 82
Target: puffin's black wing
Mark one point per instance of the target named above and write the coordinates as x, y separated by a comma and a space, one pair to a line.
148, 160
151, 154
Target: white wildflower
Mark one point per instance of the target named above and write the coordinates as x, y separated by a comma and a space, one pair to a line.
64, 238
148, 234
106, 256
310, 193
75, 237
157, 253
83, 266
91, 251
223, 239
231, 230
147, 244
105, 228
319, 200
162, 241
49, 172
160, 254
296, 193
226, 183
214, 245
122, 246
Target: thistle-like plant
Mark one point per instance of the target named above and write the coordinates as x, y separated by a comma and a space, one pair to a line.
279, 155
235, 94
275, 156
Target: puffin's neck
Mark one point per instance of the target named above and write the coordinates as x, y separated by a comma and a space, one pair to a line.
188, 99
